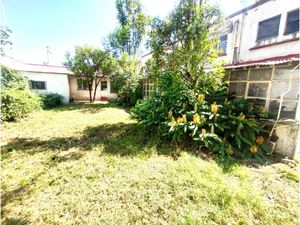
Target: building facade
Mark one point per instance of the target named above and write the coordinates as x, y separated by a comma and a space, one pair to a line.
79, 90
43, 78
260, 47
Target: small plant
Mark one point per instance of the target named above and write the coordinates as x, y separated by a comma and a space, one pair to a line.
51, 100
290, 174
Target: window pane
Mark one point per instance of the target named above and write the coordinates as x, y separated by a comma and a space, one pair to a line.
104, 85
259, 102
260, 74
239, 75
285, 73
288, 110
237, 88
38, 85
258, 90
268, 28
223, 38
280, 87
223, 46
223, 43
292, 24
82, 84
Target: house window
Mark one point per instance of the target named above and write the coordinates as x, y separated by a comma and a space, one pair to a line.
292, 22
223, 44
266, 85
82, 84
280, 85
268, 28
149, 88
104, 85
38, 85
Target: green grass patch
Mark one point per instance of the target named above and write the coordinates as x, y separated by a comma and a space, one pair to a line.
92, 164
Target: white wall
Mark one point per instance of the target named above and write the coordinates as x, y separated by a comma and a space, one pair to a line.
248, 32
55, 83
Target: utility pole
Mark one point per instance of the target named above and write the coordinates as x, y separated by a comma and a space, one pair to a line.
48, 53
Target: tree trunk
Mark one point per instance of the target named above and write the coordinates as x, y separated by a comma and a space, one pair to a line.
96, 86
90, 92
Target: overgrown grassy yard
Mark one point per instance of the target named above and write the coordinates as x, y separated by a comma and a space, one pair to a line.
92, 164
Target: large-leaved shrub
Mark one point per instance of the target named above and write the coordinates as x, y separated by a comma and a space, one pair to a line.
212, 119
192, 102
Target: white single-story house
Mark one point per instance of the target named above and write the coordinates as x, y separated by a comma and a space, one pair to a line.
58, 79
43, 78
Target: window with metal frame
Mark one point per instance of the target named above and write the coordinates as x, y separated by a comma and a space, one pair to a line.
268, 28
38, 85
149, 87
223, 44
292, 22
266, 85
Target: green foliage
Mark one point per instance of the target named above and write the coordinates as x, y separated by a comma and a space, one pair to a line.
12, 79
51, 100
16, 99
227, 127
128, 36
92, 65
126, 81
16, 104
182, 43
192, 102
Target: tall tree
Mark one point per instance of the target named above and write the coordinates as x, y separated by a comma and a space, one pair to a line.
183, 43
133, 22
92, 65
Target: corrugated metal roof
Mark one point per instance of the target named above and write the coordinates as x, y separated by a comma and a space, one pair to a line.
266, 61
38, 68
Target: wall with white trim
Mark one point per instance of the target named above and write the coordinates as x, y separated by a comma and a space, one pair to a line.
245, 27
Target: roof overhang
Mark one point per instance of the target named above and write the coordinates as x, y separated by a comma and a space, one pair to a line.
266, 61
36, 68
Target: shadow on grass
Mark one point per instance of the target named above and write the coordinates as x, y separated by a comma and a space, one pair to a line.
87, 107
116, 139
18, 192
15, 222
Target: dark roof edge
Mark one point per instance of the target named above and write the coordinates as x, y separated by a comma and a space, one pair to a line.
258, 3
284, 57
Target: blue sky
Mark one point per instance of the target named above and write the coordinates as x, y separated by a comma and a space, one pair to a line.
62, 24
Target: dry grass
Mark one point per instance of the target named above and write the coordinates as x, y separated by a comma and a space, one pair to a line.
92, 164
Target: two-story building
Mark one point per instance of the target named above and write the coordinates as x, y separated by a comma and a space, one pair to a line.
260, 47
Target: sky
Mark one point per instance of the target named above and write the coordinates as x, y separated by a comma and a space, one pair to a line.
63, 24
